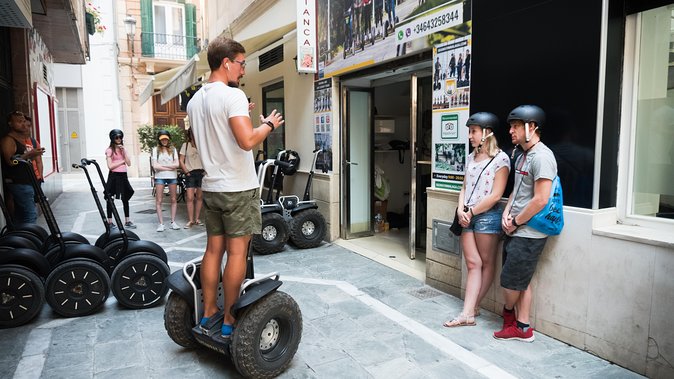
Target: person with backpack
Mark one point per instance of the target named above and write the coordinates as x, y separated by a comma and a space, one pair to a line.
118, 181
165, 162
535, 170
479, 213
190, 163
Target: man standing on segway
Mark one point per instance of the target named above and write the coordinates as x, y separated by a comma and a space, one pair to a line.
225, 137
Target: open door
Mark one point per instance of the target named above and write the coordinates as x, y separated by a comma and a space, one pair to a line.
357, 163
413, 160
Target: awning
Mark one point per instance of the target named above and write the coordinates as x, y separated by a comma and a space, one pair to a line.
171, 83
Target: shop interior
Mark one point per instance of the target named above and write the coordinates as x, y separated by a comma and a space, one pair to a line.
399, 178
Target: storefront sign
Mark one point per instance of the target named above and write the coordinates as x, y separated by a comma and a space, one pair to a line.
429, 23
306, 36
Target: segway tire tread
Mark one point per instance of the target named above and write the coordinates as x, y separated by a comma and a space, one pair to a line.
278, 315
179, 321
274, 235
307, 237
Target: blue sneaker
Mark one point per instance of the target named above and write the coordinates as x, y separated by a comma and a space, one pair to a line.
226, 330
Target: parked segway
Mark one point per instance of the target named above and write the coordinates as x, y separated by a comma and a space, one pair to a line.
110, 234
78, 283
307, 225
268, 326
274, 234
35, 233
139, 268
22, 273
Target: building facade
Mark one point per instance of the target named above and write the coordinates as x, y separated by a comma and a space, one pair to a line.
387, 95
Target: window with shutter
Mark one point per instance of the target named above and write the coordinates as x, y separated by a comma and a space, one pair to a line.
147, 28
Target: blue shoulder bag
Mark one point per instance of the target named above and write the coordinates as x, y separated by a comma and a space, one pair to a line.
550, 220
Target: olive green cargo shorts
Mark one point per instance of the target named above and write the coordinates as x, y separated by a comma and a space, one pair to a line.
233, 214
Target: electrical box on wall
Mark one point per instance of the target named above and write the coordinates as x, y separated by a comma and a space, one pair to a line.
384, 125
443, 240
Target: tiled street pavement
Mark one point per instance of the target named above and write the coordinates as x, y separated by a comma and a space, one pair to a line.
361, 320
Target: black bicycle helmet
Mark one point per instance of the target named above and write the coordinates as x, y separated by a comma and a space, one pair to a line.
528, 113
116, 132
484, 120
163, 132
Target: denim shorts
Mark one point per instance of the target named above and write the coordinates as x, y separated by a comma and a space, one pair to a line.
488, 222
194, 179
165, 182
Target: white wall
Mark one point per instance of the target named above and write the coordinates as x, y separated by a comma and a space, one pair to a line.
102, 109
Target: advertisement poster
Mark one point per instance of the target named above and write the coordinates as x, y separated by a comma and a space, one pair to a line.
451, 100
323, 123
357, 33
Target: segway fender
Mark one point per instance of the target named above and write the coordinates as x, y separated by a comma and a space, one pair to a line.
178, 284
86, 251
147, 247
27, 258
303, 206
254, 293
35, 229
17, 241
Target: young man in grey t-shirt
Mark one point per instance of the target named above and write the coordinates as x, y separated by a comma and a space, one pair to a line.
534, 171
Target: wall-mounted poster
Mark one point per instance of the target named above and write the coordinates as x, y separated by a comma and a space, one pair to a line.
357, 33
451, 101
323, 123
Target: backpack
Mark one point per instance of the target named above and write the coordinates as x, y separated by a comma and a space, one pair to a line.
550, 219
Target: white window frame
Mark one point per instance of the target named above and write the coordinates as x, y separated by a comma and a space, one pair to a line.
627, 145
168, 13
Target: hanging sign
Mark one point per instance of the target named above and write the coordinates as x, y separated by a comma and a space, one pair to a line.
306, 36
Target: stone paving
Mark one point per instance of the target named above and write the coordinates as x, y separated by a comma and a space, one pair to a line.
361, 320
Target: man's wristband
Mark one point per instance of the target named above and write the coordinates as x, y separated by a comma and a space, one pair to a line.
271, 125
515, 222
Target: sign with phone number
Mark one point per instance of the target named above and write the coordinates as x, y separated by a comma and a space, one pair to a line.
428, 24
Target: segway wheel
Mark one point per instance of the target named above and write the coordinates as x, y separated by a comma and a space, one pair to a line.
274, 234
266, 336
77, 288
139, 281
307, 229
179, 321
21, 296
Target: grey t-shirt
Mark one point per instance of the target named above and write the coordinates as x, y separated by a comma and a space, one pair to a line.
537, 163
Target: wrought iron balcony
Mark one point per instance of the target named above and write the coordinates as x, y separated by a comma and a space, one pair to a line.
168, 46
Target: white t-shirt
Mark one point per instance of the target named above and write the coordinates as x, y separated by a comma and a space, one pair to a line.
165, 159
229, 168
484, 185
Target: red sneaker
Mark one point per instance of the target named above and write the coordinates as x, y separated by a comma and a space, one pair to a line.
508, 318
512, 332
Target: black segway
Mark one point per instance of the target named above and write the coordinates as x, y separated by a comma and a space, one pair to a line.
110, 234
274, 234
22, 273
139, 268
307, 225
268, 326
35, 233
78, 283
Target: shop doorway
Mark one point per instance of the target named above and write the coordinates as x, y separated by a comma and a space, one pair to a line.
386, 163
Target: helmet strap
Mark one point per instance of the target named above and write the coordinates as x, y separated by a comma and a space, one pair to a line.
485, 137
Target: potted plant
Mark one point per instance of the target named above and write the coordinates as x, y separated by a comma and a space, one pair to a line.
93, 19
147, 136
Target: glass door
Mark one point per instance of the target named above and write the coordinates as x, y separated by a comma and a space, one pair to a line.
357, 163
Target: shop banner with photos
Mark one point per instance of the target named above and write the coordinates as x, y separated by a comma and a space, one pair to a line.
323, 123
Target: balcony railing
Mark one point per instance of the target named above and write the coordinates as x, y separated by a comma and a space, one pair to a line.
168, 46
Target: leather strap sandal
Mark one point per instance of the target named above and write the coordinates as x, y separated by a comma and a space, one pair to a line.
460, 320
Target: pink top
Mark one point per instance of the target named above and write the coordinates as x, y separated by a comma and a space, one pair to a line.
116, 158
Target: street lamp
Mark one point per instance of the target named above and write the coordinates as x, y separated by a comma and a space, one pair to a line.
130, 27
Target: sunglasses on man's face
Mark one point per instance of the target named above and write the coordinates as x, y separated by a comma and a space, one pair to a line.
118, 137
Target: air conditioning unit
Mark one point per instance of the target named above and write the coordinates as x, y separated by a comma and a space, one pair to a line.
16, 14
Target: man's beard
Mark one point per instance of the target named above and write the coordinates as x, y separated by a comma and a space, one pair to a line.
233, 84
